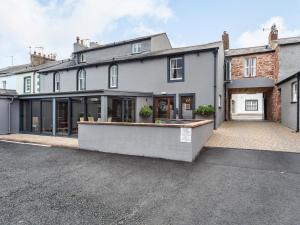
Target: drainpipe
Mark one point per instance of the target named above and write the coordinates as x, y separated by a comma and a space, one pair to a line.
9, 114
215, 86
298, 102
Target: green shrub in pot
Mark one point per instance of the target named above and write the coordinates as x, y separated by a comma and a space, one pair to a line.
205, 110
146, 112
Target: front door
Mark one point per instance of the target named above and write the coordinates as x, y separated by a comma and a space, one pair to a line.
186, 107
164, 107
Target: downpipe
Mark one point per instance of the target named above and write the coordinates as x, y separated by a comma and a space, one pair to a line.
9, 114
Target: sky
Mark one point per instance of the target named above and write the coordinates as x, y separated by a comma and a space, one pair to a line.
54, 24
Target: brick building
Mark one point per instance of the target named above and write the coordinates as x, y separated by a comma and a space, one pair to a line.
251, 77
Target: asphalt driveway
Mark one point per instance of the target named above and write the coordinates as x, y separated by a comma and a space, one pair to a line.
40, 185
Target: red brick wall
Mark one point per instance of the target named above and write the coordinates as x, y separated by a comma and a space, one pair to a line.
265, 65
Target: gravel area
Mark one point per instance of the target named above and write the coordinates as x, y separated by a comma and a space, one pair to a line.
255, 135
42, 185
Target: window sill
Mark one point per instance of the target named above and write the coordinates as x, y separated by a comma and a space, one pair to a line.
175, 80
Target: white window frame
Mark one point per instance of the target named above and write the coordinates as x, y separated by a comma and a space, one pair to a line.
57, 82
220, 101
81, 80
27, 84
176, 67
4, 84
294, 91
38, 83
252, 105
136, 48
250, 67
113, 76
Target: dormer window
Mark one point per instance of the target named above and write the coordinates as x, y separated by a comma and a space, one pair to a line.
136, 48
82, 58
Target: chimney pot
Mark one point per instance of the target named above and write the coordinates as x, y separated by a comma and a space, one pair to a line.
77, 39
81, 42
273, 36
225, 39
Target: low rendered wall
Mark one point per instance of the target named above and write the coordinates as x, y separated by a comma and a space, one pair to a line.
181, 142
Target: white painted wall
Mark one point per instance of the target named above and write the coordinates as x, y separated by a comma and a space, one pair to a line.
238, 111
10, 82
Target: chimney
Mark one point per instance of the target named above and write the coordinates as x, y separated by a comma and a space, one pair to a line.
39, 59
225, 39
273, 36
78, 45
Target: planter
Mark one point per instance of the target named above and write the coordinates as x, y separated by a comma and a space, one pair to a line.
203, 117
145, 120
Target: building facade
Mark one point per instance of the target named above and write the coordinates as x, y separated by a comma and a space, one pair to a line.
112, 82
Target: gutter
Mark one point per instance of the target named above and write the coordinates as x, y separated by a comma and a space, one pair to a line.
215, 86
9, 114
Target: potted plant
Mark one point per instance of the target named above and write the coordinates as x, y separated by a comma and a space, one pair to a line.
204, 112
146, 113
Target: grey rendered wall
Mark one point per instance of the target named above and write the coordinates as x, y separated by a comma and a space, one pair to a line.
220, 114
160, 42
116, 51
289, 60
15, 117
151, 75
158, 142
288, 109
3, 116
200, 136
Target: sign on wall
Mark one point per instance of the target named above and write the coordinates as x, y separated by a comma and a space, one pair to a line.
185, 134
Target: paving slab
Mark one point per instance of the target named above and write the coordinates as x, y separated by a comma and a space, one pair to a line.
259, 135
66, 142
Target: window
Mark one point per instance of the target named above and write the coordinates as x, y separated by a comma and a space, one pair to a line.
82, 58
37, 83
251, 105
27, 84
250, 67
228, 69
220, 101
57, 82
113, 76
176, 70
136, 48
81, 80
294, 91
4, 84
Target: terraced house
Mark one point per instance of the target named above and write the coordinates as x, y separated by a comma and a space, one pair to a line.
111, 82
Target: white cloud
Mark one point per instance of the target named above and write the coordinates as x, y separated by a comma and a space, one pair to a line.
260, 35
55, 25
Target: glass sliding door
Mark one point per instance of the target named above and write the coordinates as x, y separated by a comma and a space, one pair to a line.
36, 116
77, 113
121, 109
94, 109
47, 116
62, 112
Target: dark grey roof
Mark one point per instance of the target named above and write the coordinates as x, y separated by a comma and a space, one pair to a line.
161, 53
119, 43
287, 41
289, 78
254, 82
26, 68
13, 69
248, 51
8, 92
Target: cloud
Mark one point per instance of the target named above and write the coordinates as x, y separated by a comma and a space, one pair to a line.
260, 35
56, 23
